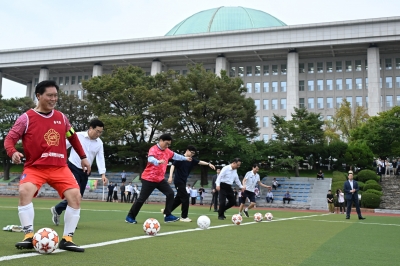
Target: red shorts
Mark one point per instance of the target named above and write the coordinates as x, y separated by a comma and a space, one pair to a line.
60, 178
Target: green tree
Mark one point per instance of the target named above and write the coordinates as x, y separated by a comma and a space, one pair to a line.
10, 110
300, 137
358, 154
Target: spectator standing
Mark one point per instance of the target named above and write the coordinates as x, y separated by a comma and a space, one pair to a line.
340, 198
188, 190
201, 194
193, 195
122, 191
115, 193
235, 194
129, 189
135, 192
214, 191
110, 191
331, 205
123, 176
270, 196
351, 194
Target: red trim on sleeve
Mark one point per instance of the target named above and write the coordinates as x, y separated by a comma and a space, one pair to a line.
76, 144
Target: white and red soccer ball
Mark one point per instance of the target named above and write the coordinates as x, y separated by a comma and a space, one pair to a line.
258, 217
45, 240
203, 222
151, 227
237, 219
268, 216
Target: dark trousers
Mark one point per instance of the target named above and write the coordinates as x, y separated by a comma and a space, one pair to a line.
134, 197
82, 179
215, 197
109, 197
128, 198
181, 198
147, 188
123, 197
225, 192
341, 205
193, 200
269, 199
287, 199
354, 198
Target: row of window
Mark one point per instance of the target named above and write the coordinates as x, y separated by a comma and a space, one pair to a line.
78, 93
63, 81
319, 67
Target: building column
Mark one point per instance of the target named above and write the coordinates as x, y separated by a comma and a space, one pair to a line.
1, 82
29, 89
44, 74
156, 67
221, 63
292, 94
97, 70
374, 75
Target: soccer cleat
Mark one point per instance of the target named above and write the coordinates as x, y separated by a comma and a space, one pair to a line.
56, 216
221, 218
67, 244
130, 220
246, 213
361, 218
170, 219
187, 220
26, 243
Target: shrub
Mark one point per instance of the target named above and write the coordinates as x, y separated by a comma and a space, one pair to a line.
370, 200
371, 182
361, 185
338, 176
365, 175
377, 192
372, 186
337, 185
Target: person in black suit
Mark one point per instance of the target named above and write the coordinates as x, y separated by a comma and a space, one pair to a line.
351, 194
215, 192
110, 192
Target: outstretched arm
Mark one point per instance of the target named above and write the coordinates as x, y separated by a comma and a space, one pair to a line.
209, 164
171, 172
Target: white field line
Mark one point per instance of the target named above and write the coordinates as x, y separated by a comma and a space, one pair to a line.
27, 255
348, 222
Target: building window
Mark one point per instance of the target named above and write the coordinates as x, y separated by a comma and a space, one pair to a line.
359, 83
249, 71
349, 99
283, 86
184, 72
265, 121
348, 66
310, 68
266, 87
274, 70
389, 101
339, 84
338, 102
366, 64
358, 65
398, 100
73, 80
79, 94
283, 69
265, 138
301, 68
358, 101
397, 63
73, 93
388, 63
265, 104
388, 83
257, 104
329, 85
329, 102
301, 85
283, 104
310, 103
274, 105
310, 85
320, 103
329, 118
55, 79
329, 67
397, 82
274, 86
301, 103
61, 81
86, 77
320, 85
240, 71
79, 80
257, 71
249, 87
257, 87
257, 121
273, 137
339, 66
36, 82
349, 84
66, 80
320, 67
232, 72
366, 83
266, 70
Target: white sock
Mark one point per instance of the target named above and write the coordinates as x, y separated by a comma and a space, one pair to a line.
26, 215
246, 209
71, 219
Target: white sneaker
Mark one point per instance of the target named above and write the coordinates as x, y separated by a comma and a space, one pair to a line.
187, 220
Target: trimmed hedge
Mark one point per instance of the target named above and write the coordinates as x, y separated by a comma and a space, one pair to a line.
370, 200
338, 176
377, 192
365, 175
372, 186
361, 185
337, 185
371, 182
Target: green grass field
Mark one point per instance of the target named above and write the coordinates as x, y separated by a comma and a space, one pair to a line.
292, 238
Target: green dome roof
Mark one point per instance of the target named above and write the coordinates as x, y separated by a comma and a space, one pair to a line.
225, 19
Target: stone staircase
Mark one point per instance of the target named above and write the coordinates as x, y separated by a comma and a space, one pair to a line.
391, 193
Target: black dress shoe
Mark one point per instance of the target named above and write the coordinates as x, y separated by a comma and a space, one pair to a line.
221, 218
347, 217
361, 218
215, 210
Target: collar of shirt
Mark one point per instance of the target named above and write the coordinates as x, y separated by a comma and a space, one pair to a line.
86, 135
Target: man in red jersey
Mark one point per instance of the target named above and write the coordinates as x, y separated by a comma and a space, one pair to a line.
43, 131
153, 177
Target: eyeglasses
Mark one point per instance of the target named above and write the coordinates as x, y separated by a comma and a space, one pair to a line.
193, 152
99, 131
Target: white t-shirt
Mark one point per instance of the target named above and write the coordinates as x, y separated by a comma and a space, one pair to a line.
341, 198
251, 180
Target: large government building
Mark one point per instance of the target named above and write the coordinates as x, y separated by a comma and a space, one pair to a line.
316, 66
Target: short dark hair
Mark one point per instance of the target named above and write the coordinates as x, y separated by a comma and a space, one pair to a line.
191, 148
95, 123
166, 136
256, 165
41, 87
330, 190
236, 160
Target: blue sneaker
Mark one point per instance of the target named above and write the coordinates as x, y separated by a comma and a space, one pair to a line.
170, 219
130, 220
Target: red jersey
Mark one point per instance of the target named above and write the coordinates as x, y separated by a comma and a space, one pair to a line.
155, 173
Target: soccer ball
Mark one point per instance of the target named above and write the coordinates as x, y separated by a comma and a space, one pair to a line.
203, 222
151, 227
237, 219
258, 217
45, 240
268, 216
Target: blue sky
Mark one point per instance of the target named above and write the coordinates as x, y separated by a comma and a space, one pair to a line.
26, 23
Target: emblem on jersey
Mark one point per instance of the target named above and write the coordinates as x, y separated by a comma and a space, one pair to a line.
52, 137
22, 177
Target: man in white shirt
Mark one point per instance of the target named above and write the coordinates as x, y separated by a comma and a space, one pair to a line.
129, 189
249, 184
193, 195
93, 147
224, 183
